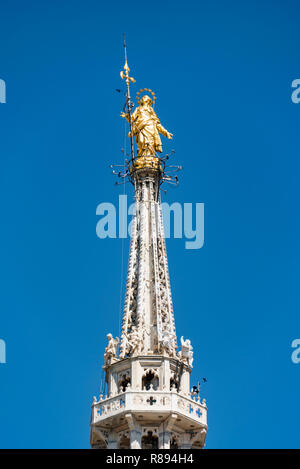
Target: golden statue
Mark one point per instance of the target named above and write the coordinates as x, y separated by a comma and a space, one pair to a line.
146, 128
144, 123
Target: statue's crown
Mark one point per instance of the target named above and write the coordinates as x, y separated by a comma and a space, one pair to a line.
143, 90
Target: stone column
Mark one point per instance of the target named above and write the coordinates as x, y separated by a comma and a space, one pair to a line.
135, 439
164, 375
136, 375
165, 432
164, 440
185, 382
113, 385
186, 442
135, 432
112, 441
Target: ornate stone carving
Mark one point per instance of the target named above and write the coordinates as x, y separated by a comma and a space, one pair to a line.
148, 320
168, 342
186, 353
110, 354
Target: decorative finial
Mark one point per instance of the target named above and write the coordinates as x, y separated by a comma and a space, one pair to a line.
129, 104
126, 68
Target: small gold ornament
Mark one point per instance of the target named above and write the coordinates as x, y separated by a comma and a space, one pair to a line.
126, 74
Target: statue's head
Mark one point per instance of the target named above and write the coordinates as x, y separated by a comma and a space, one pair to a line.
109, 336
146, 100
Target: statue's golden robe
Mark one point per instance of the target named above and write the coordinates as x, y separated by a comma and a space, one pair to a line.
146, 128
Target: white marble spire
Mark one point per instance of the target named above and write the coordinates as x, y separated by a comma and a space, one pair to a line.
148, 321
149, 404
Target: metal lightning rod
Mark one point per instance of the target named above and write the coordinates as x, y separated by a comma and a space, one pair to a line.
129, 104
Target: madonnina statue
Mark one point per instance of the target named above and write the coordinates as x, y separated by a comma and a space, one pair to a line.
146, 128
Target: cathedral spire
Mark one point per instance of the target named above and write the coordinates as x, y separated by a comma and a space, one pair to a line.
149, 403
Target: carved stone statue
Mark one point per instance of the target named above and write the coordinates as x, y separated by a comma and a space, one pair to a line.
168, 341
186, 351
146, 128
110, 354
132, 342
136, 340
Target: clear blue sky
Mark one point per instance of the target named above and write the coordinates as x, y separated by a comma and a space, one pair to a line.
222, 72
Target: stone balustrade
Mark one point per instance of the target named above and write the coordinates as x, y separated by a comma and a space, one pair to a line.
162, 401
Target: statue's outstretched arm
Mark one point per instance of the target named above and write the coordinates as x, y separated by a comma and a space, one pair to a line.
126, 115
163, 131
133, 115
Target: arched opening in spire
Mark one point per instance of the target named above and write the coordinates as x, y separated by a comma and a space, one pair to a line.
150, 441
123, 381
174, 382
150, 380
